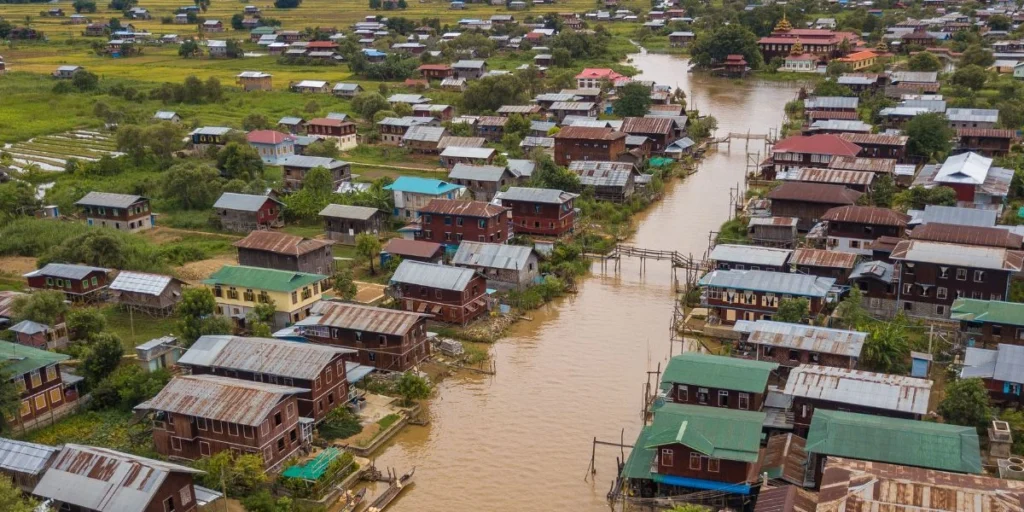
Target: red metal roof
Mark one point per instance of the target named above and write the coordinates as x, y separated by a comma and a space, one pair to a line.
814, 193
823, 258
281, 243
589, 133
821, 144
992, 133
854, 57
321, 44
267, 137
606, 73
967, 235
844, 115
413, 248
467, 208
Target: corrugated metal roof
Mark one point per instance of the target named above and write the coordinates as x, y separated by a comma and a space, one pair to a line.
492, 256
876, 139
220, 398
995, 258
823, 258
66, 271
988, 311
814, 193
831, 102
242, 202
281, 243
29, 327
424, 133
345, 211
879, 270
211, 130
432, 276
852, 163
969, 168
956, 215
572, 106
464, 152
490, 173
866, 215
283, 358
427, 186
105, 480
23, 457
860, 388
968, 235
309, 162
358, 317
973, 115
469, 64
479, 209
660, 125
727, 434
140, 282
414, 248
832, 176
771, 282
602, 174
7, 298
109, 200
751, 254
841, 125
259, 278
536, 195
803, 337
405, 121
980, 363
720, 372
538, 142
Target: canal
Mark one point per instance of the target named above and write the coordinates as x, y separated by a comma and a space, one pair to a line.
521, 440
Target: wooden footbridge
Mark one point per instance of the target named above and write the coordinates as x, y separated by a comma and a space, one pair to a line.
693, 266
769, 138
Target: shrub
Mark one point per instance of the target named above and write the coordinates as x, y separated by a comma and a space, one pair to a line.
340, 423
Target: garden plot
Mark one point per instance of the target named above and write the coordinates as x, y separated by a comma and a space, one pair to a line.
51, 152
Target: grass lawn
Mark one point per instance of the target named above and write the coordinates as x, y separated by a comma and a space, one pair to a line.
308, 231
108, 429
146, 327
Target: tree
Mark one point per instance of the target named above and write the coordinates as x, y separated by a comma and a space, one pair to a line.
260, 318
792, 310
929, 135
11, 498
830, 87
886, 349
412, 387
163, 139
851, 309
368, 247
287, 4
318, 181
195, 315
263, 501
836, 68
324, 148
84, 323
916, 198
975, 55
999, 22
192, 185
241, 474
81, 6
104, 355
241, 161
10, 400
966, 404
369, 103
212, 89
548, 174
883, 192
924, 61
255, 121
634, 100
85, 81
491, 92
561, 58
236, 21
45, 307
713, 46
972, 77
703, 127
128, 386
189, 48
17, 198
344, 284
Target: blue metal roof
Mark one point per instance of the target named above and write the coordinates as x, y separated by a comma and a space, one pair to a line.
422, 185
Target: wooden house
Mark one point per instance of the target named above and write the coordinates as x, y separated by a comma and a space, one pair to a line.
197, 416
310, 87
238, 289
449, 294
987, 323
660, 130
293, 125
67, 72
824, 263
392, 129
491, 128
977, 182
833, 388
611, 181
506, 267
773, 231
442, 112
995, 367
42, 391
39, 335
318, 369
342, 132
435, 71
793, 345
540, 211
159, 353
449, 222
242, 213
87, 478
990, 142
484, 181
386, 339
879, 145
416, 250
708, 380
424, 139
576, 143
412, 193
272, 145
809, 201
78, 282
342, 223
25, 462
469, 69
254, 81
152, 294
296, 168
343, 90
206, 137
455, 155
749, 257
282, 251
806, 151
852, 228
981, 236
732, 295
123, 212
561, 109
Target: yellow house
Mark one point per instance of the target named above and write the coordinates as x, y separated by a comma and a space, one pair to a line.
860, 60
238, 289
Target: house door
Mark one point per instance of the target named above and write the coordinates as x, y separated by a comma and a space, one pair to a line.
730, 315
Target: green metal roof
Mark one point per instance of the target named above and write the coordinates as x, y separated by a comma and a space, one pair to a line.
720, 433
638, 464
990, 311
262, 278
314, 468
20, 359
721, 372
896, 441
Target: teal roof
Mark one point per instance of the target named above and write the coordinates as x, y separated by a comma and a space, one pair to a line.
895, 441
20, 359
638, 464
314, 468
727, 434
262, 278
721, 372
422, 185
988, 311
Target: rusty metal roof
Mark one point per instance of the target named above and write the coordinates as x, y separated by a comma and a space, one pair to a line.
875, 139
970, 256
220, 398
105, 480
814, 193
967, 235
823, 258
993, 133
861, 388
647, 125
588, 133
785, 458
281, 243
850, 163
833, 176
803, 337
773, 221
850, 485
7, 302
262, 355
467, 208
363, 318
867, 215
788, 498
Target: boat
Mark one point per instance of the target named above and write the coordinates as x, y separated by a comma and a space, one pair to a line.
352, 501
397, 486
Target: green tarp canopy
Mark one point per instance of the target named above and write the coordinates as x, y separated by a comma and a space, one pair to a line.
314, 468
660, 162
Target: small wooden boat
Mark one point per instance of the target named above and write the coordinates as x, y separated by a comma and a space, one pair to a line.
352, 501
397, 486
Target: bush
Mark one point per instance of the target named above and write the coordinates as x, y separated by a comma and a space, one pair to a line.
340, 423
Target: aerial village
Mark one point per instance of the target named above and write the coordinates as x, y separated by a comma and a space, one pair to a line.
314, 256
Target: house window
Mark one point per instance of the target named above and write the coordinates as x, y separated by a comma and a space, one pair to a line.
997, 330
979, 276
702, 395
249, 295
961, 274
277, 419
943, 272
907, 288
794, 355
232, 293
682, 393
169, 502
695, 461
482, 223
218, 427
667, 457
217, 291
55, 396
940, 310
176, 444
37, 380
713, 465
723, 398
201, 423
233, 429
940, 293
447, 221
51, 373
280, 444
744, 401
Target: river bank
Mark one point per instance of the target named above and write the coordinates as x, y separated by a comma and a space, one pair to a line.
521, 439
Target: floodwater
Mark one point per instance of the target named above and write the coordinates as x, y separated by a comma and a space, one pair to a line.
521, 440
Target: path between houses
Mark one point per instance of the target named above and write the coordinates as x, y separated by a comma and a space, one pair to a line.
401, 168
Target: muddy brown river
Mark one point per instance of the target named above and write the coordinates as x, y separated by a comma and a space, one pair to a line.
521, 440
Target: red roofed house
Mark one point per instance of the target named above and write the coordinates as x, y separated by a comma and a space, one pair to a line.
591, 78
860, 60
735, 65
272, 145
448, 222
806, 151
342, 132
821, 42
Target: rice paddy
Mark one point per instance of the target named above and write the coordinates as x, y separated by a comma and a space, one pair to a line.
51, 152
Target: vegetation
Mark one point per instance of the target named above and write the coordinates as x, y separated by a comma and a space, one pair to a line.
102, 357
128, 386
111, 428
367, 248
929, 136
412, 387
11, 498
887, 348
45, 307
966, 403
10, 399
344, 284
793, 310
712, 47
195, 315
340, 423
242, 474
634, 100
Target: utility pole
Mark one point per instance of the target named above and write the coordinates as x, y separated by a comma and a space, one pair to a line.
224, 489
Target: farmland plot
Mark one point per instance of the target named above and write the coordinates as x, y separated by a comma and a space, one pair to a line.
51, 152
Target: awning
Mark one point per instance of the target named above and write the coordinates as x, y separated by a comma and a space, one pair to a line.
696, 483
206, 496
436, 309
356, 372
